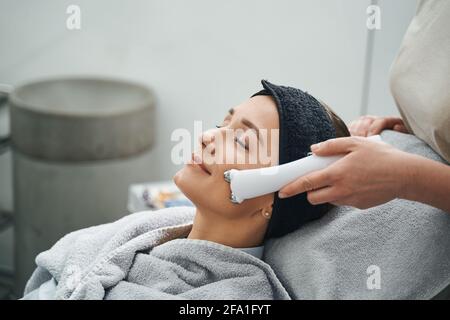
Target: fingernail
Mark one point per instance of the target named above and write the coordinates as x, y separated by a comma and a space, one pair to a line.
315, 147
282, 195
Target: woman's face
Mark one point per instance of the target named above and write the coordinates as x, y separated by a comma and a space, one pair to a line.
246, 139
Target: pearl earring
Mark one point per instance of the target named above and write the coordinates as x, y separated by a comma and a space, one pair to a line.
266, 214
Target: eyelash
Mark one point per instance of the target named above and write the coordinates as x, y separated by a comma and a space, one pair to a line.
236, 139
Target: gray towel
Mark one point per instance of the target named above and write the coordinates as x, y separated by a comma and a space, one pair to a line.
406, 243
145, 256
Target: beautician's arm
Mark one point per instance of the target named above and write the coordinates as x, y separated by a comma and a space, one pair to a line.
373, 173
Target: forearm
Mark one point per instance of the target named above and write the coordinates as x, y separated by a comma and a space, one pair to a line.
427, 181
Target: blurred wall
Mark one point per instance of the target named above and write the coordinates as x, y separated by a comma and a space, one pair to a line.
395, 16
201, 56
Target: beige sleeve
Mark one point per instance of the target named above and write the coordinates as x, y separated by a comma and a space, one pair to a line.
420, 75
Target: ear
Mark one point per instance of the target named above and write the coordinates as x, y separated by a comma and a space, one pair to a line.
266, 206
269, 208
266, 212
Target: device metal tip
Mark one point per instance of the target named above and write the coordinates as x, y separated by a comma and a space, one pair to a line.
233, 198
227, 176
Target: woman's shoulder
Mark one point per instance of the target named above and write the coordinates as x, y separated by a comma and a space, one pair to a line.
83, 248
103, 236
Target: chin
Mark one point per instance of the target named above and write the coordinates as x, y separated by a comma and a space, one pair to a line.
190, 184
180, 180
204, 191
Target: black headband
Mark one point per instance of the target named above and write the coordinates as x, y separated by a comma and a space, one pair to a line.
303, 122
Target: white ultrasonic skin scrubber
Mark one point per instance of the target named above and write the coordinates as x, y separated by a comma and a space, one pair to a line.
252, 183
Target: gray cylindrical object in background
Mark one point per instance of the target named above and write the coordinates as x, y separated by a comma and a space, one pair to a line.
78, 143
81, 119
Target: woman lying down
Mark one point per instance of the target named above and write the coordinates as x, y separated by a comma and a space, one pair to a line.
212, 251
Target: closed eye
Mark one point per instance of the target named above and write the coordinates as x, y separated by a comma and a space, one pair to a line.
242, 144
236, 139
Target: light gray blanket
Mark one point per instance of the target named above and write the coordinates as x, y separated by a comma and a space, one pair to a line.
146, 256
398, 250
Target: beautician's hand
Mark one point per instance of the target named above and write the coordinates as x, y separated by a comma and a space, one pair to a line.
371, 125
370, 174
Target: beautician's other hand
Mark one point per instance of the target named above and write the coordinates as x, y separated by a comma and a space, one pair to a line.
371, 125
370, 174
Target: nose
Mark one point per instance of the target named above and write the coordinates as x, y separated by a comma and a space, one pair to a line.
206, 140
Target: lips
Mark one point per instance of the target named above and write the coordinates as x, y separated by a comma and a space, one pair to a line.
198, 161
